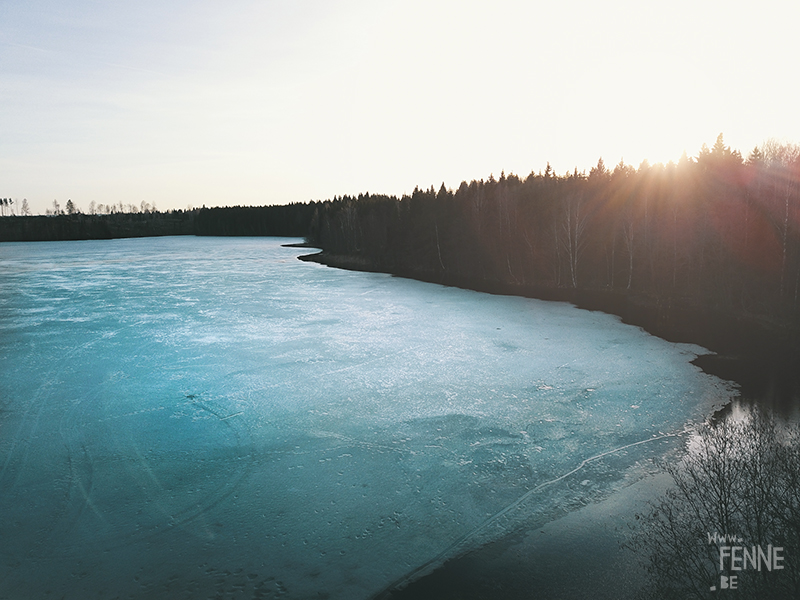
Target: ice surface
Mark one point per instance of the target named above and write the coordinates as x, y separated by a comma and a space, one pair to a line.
198, 417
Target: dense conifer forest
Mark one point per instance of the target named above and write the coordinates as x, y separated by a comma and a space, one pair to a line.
714, 235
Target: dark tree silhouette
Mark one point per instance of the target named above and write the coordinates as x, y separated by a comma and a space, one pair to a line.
713, 233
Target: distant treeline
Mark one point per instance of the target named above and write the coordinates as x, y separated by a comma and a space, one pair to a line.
290, 220
717, 231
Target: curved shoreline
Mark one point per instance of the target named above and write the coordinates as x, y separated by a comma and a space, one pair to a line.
762, 356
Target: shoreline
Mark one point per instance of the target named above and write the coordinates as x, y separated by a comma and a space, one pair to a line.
761, 356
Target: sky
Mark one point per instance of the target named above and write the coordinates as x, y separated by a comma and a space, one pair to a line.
205, 103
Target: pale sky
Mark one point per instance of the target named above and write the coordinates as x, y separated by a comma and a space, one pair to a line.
274, 101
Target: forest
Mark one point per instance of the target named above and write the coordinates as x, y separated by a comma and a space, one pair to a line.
718, 234
290, 220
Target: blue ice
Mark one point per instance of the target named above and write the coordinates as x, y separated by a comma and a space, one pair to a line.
185, 417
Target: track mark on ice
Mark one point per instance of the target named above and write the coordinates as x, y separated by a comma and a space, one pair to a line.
461, 543
241, 412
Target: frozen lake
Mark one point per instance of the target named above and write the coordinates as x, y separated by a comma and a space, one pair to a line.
210, 417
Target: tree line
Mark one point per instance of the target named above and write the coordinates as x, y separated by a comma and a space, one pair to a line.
118, 221
718, 230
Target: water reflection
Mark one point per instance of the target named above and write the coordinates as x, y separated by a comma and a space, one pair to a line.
769, 384
732, 519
